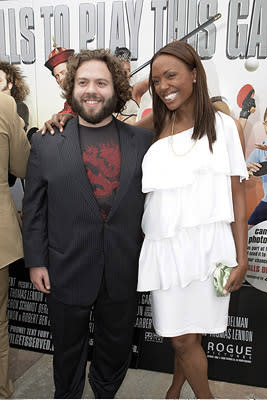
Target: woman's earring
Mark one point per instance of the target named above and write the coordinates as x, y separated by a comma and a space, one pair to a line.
194, 81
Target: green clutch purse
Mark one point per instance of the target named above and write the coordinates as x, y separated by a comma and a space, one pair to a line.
220, 277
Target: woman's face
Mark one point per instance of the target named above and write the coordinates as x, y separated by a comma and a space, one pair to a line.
173, 81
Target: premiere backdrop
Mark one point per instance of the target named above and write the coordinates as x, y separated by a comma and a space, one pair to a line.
234, 51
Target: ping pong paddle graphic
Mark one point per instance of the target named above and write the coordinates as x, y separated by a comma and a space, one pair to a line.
245, 100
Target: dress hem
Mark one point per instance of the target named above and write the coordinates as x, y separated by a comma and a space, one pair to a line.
191, 330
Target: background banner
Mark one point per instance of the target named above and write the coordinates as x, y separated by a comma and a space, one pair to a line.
238, 355
29, 326
233, 50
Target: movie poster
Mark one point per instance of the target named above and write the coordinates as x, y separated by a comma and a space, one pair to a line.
238, 355
27, 312
233, 49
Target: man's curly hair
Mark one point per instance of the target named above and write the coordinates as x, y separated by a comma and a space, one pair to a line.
19, 89
119, 76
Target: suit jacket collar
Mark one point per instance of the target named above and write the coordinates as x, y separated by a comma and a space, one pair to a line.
70, 152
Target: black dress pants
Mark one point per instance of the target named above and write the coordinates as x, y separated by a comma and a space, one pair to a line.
113, 332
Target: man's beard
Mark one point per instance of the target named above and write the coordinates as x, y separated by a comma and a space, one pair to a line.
107, 109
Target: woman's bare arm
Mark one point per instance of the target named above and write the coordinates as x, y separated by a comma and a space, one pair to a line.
147, 122
239, 227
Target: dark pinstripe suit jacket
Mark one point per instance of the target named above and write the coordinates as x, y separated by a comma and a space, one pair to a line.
62, 225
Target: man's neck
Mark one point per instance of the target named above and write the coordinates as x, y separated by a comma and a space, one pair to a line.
104, 122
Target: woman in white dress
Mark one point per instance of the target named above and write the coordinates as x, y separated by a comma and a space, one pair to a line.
195, 212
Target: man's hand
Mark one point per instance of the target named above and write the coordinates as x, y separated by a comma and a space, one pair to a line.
58, 120
40, 279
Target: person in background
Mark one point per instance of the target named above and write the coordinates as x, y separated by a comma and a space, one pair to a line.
14, 152
195, 212
94, 259
254, 161
13, 83
138, 89
221, 104
57, 64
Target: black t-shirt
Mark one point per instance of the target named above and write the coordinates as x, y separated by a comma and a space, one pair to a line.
102, 160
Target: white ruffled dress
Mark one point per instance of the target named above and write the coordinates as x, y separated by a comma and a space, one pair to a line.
186, 222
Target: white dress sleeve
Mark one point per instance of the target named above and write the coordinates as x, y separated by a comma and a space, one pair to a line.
235, 153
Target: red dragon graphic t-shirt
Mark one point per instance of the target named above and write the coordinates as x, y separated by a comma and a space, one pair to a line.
102, 160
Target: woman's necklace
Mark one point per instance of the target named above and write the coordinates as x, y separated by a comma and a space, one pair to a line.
171, 141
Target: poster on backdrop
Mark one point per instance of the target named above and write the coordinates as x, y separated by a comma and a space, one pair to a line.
233, 50
238, 355
29, 326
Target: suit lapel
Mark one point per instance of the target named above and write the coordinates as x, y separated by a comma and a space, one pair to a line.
128, 163
70, 154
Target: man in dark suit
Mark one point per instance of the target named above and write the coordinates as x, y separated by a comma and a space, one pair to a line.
82, 225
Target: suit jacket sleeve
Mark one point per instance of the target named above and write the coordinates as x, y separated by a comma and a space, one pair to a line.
35, 240
19, 146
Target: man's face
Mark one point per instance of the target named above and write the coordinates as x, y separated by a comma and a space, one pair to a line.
4, 86
59, 72
93, 95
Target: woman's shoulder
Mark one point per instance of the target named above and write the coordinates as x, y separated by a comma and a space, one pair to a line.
222, 118
228, 127
233, 132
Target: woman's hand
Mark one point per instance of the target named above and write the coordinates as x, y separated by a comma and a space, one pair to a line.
58, 120
235, 279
